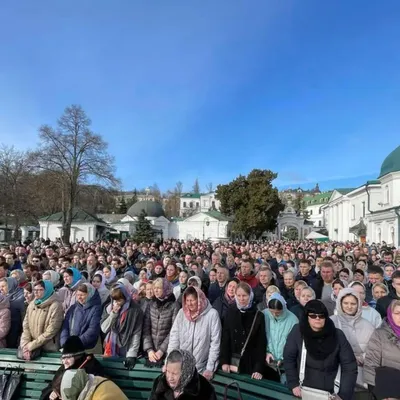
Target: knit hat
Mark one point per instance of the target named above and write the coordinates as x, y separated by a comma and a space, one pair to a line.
73, 347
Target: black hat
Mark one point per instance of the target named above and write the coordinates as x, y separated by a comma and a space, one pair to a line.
73, 347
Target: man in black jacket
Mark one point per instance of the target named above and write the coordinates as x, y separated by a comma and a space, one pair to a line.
384, 302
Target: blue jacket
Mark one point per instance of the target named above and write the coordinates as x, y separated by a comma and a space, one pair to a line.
17, 265
278, 328
83, 321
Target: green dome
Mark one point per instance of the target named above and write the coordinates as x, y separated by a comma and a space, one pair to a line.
391, 163
151, 208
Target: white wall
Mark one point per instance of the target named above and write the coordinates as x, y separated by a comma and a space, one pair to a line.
53, 230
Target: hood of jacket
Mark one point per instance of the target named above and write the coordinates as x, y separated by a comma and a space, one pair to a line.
95, 300
280, 298
345, 292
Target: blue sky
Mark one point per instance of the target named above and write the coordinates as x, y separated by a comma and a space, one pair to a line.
186, 89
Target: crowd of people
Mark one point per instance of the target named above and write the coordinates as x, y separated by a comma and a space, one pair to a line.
313, 316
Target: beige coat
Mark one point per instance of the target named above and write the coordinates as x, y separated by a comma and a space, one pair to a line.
5, 321
42, 325
383, 351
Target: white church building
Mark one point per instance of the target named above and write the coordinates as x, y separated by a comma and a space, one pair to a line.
370, 212
204, 224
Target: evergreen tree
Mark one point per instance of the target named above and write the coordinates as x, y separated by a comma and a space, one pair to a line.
144, 232
122, 207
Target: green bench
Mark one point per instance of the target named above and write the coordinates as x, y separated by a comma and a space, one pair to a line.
135, 384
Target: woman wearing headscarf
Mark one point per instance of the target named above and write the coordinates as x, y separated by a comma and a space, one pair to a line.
9, 288
158, 321
5, 320
279, 322
77, 384
226, 299
98, 283
122, 323
67, 294
110, 276
83, 317
356, 329
43, 321
73, 356
53, 277
368, 313
19, 276
143, 278
243, 343
383, 356
323, 349
130, 288
172, 274
181, 380
197, 328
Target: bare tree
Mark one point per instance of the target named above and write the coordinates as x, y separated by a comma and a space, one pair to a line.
196, 186
76, 155
14, 175
172, 204
209, 188
156, 192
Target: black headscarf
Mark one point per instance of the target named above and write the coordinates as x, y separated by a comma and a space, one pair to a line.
318, 344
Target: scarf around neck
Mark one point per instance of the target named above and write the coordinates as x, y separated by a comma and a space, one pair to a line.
249, 304
48, 291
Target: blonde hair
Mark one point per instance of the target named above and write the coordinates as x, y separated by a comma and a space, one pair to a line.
311, 290
270, 290
395, 303
300, 283
158, 282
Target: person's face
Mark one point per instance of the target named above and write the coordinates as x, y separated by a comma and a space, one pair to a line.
35, 261
2, 272
212, 276
149, 291
275, 313
3, 288
305, 297
38, 291
170, 270
81, 297
360, 291
396, 315
106, 273
231, 289
243, 297
246, 268
265, 277
9, 259
358, 277
158, 269
318, 261
327, 274
387, 258
396, 284
375, 278
361, 265
173, 374
221, 275
115, 264
378, 292
281, 269
206, 264
183, 277
343, 276
191, 303
188, 259
67, 362
49, 253
389, 271
316, 321
67, 279
96, 282
28, 296
142, 275
336, 289
214, 259
349, 305
194, 268
297, 291
288, 280
158, 291
304, 269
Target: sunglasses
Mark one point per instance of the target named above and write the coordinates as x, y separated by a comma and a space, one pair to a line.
316, 316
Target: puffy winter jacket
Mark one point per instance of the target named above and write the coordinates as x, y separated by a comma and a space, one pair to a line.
158, 322
320, 374
278, 328
83, 321
357, 330
201, 337
383, 351
5, 321
42, 324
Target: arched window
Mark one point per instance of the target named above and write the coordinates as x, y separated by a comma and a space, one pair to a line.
387, 194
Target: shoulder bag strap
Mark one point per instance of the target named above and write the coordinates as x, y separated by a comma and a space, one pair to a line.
248, 336
302, 364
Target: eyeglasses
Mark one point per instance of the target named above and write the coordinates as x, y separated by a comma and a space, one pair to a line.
316, 316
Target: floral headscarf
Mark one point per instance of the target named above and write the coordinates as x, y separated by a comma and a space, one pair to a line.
188, 368
202, 304
166, 286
